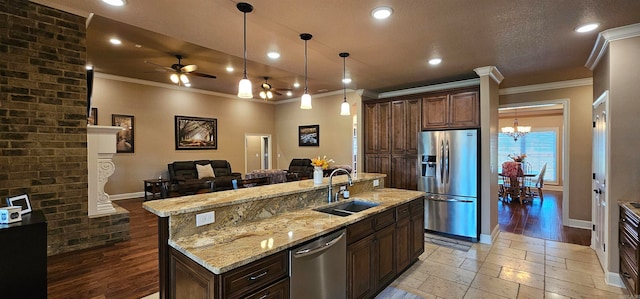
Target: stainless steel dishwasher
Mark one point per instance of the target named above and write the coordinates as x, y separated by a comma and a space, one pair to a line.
319, 268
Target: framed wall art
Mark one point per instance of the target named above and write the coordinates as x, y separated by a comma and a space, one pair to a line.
93, 117
196, 133
124, 139
309, 135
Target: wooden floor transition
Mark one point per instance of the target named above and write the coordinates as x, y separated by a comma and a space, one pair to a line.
130, 269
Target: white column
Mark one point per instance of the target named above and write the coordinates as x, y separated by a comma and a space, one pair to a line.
101, 145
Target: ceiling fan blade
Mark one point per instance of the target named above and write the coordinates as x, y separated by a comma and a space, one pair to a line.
164, 68
189, 68
203, 75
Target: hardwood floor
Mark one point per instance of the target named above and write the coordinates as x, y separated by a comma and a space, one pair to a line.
124, 270
130, 269
540, 219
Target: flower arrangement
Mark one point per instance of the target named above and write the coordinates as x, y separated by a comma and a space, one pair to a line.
324, 162
517, 158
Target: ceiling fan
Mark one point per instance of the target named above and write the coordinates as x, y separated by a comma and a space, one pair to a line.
179, 72
267, 91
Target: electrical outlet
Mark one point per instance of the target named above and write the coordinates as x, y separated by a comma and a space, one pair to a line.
205, 218
376, 183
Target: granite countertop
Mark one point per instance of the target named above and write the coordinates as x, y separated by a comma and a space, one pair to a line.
206, 201
630, 207
225, 249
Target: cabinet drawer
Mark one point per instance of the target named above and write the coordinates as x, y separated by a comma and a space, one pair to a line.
359, 230
255, 275
403, 211
278, 290
417, 206
629, 277
384, 219
628, 244
629, 218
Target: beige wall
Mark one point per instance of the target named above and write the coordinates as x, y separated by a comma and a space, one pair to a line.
253, 152
335, 130
580, 132
539, 122
154, 108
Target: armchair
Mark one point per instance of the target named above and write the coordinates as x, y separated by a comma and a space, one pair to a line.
299, 169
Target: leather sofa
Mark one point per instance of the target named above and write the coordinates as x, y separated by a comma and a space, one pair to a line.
184, 177
299, 169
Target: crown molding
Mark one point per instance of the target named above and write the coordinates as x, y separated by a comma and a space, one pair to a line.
429, 88
176, 87
367, 93
546, 86
490, 71
607, 36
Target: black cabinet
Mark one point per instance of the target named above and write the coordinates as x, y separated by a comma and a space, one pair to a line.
23, 257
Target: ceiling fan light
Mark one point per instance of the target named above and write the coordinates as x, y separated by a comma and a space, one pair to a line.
305, 101
269, 95
115, 2
263, 95
184, 79
174, 78
244, 89
187, 84
345, 108
346, 80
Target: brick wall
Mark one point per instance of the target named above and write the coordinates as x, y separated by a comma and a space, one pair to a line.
43, 135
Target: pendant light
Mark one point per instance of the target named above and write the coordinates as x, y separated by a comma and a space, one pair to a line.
516, 131
345, 108
305, 101
244, 87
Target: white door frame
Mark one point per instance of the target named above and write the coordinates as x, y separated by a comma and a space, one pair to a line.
603, 99
262, 153
565, 155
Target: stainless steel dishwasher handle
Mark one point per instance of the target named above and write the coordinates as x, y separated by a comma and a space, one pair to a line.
323, 247
449, 200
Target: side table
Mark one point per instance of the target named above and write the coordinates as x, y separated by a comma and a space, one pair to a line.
156, 186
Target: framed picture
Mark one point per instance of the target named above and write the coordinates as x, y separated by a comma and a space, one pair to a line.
124, 139
93, 117
20, 200
309, 135
196, 133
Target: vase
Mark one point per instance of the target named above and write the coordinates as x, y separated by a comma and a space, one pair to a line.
317, 175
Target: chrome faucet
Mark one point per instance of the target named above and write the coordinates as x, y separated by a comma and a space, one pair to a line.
331, 179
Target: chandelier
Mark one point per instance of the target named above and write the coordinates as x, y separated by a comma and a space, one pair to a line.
516, 131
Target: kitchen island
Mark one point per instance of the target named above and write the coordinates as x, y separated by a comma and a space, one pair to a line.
255, 225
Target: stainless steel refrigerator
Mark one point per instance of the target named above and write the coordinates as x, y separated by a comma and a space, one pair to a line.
449, 175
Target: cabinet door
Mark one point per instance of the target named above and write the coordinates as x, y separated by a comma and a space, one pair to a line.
412, 117
410, 172
464, 110
434, 112
384, 165
385, 256
397, 172
189, 280
383, 125
360, 270
417, 233
370, 128
371, 163
398, 127
403, 244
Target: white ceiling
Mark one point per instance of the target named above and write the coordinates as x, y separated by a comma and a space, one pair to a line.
530, 42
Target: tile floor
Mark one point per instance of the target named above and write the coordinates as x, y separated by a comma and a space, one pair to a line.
515, 266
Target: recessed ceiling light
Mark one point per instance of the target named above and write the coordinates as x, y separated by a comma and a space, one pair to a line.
382, 12
273, 55
88, 67
296, 85
138, 46
435, 61
230, 69
115, 2
346, 80
289, 93
587, 27
115, 41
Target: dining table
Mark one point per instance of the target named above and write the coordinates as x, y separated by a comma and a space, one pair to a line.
514, 178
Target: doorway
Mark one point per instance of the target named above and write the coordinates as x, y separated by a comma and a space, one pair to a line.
257, 149
599, 207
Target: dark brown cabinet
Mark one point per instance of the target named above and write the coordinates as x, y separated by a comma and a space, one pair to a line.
377, 118
409, 233
264, 278
404, 172
459, 109
405, 126
417, 228
379, 163
628, 238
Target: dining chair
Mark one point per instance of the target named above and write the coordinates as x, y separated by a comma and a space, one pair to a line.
539, 182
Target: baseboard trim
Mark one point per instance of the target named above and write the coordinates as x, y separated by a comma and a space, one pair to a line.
126, 196
583, 224
488, 239
614, 279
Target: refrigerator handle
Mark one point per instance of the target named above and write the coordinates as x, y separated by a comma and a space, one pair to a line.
442, 162
447, 151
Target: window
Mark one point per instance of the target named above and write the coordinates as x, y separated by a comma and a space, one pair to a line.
540, 146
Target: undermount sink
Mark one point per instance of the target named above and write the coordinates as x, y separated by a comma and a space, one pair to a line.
347, 208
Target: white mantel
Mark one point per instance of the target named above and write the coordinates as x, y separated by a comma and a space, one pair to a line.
101, 145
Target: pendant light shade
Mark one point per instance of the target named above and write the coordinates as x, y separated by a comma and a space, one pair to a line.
305, 101
245, 90
345, 109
